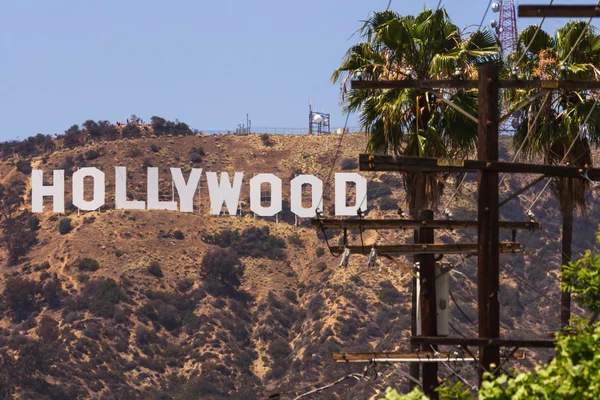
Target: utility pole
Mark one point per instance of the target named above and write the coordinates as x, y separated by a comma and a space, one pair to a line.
488, 266
428, 303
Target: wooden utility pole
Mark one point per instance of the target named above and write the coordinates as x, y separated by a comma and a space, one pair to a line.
568, 11
428, 303
488, 268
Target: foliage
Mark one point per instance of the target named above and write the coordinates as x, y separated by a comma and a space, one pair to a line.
64, 226
19, 296
33, 223
91, 155
573, 374
87, 264
410, 121
568, 119
100, 297
24, 166
223, 265
266, 139
155, 269
582, 278
252, 242
177, 234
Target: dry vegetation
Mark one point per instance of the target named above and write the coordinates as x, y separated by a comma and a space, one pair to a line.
157, 304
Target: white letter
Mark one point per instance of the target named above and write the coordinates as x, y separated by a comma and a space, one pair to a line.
296, 195
360, 201
56, 190
153, 202
255, 189
79, 189
121, 201
186, 191
224, 192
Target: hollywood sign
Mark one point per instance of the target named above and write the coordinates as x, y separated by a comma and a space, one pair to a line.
220, 189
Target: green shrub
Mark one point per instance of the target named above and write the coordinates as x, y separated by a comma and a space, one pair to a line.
195, 157
88, 264
24, 167
101, 296
34, 223
91, 155
178, 235
64, 226
223, 265
154, 148
155, 269
320, 252
266, 139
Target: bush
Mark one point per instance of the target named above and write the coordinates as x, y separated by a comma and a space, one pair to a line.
223, 265
279, 349
184, 285
252, 242
24, 167
266, 139
178, 235
91, 155
19, 297
154, 148
296, 240
48, 329
320, 252
64, 226
34, 223
349, 163
195, 157
154, 269
88, 264
100, 297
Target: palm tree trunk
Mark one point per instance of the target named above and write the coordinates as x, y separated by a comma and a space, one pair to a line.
419, 203
567, 238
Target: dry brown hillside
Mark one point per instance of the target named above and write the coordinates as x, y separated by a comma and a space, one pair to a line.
118, 308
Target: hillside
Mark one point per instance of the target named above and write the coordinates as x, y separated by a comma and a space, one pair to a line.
118, 308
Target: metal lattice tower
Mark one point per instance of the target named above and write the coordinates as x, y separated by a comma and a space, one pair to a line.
506, 29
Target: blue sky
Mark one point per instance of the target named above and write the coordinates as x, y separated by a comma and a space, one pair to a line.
208, 63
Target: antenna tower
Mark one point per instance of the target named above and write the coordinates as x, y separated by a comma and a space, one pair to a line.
506, 29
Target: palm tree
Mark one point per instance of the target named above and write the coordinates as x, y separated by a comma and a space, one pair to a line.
415, 122
568, 122
410, 121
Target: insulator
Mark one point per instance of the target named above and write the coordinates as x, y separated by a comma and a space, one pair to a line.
495, 7
345, 258
372, 257
493, 23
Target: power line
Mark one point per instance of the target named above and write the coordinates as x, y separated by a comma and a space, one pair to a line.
538, 291
484, 15
460, 309
583, 32
566, 154
539, 27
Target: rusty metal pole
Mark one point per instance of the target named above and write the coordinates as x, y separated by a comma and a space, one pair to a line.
428, 304
487, 213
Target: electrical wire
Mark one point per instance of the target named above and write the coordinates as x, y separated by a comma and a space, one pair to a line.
337, 154
484, 15
566, 154
530, 286
539, 27
356, 376
460, 309
583, 32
